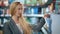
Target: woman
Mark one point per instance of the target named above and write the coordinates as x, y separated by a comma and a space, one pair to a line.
17, 23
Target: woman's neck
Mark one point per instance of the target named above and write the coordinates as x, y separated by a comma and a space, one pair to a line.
16, 19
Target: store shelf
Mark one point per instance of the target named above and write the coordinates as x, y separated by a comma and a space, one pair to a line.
4, 16
33, 15
26, 15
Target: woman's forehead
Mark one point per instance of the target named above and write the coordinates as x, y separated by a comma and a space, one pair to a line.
19, 6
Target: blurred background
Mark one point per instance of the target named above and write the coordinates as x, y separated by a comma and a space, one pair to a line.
33, 11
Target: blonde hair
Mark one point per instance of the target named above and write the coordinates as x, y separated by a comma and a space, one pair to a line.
23, 22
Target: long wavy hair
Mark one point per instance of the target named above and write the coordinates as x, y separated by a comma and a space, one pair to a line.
23, 23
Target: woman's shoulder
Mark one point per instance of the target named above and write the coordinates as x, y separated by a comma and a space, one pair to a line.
6, 23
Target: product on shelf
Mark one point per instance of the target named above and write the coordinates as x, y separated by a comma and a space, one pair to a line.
40, 10
31, 2
1, 12
6, 2
2, 4
34, 20
7, 13
27, 10
34, 10
0, 21
21, 1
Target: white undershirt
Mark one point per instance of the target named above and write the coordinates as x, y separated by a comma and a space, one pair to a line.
19, 27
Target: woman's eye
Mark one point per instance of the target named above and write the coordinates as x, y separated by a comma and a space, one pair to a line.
19, 8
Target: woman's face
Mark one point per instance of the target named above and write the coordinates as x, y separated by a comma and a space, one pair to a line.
19, 10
